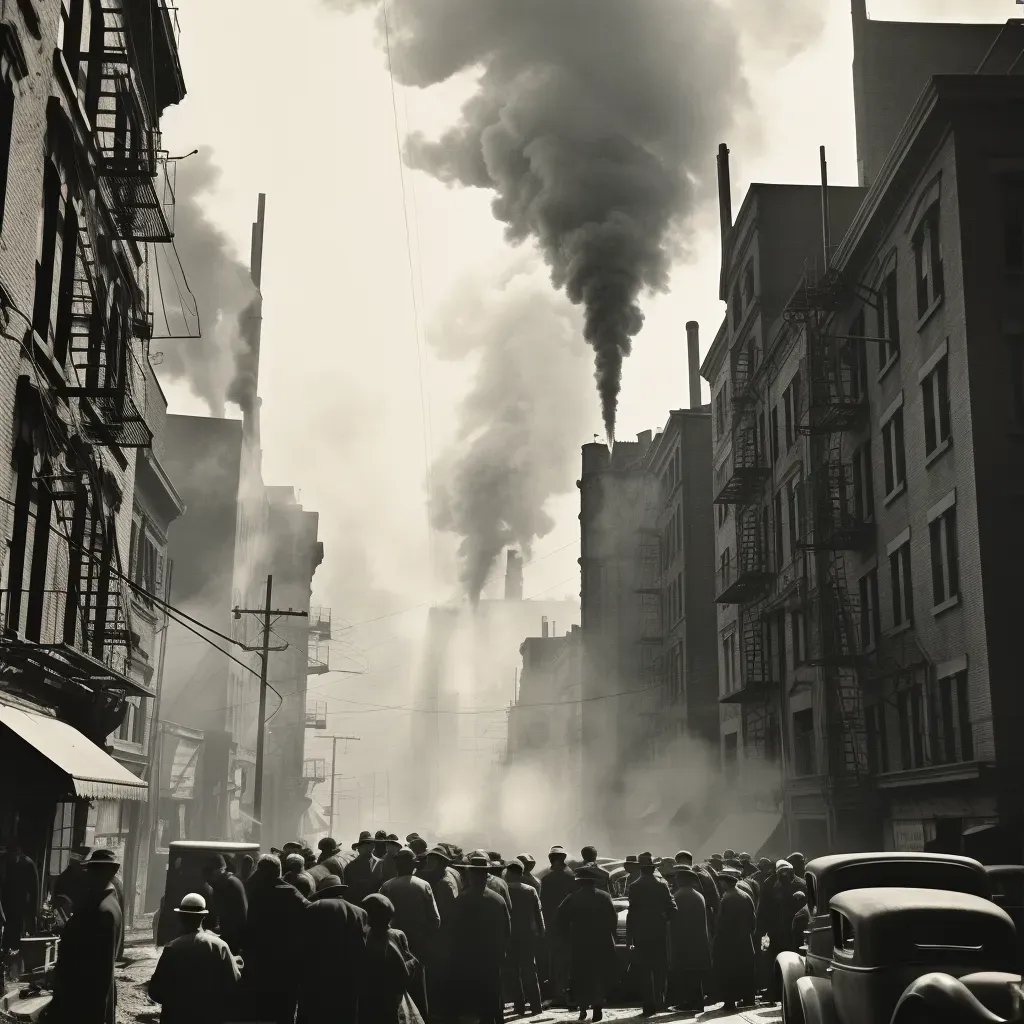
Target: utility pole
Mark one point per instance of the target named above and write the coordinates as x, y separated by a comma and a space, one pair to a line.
267, 613
334, 754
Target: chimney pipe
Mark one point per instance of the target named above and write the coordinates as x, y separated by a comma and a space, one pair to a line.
513, 577
544, 626
724, 196
693, 362
826, 219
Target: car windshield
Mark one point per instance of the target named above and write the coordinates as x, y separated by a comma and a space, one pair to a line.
911, 874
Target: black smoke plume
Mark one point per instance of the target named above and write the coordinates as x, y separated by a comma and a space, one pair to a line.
220, 365
519, 427
594, 122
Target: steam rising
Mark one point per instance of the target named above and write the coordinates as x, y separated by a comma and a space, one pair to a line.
521, 424
593, 122
219, 366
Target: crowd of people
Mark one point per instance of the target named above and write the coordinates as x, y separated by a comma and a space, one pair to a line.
403, 933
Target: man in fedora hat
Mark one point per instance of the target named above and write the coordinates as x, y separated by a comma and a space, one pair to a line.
732, 952
230, 904
196, 978
361, 875
586, 922
332, 955
706, 884
689, 942
631, 865
555, 887
445, 885
415, 914
481, 928
529, 862
651, 906
84, 991
527, 934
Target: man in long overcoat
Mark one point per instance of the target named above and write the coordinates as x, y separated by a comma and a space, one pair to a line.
586, 922
527, 934
650, 908
690, 945
445, 885
84, 991
732, 952
333, 933
19, 893
362, 875
555, 887
415, 914
230, 903
707, 885
481, 928
272, 944
330, 861
529, 863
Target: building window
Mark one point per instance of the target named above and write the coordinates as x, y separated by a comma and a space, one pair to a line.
729, 663
863, 485
799, 631
869, 621
720, 413
6, 133
910, 712
791, 404
928, 261
722, 514
893, 452
878, 739
902, 585
888, 321
748, 283
775, 435
854, 356
737, 307
62, 840
945, 561
935, 392
780, 551
952, 739
805, 761
793, 514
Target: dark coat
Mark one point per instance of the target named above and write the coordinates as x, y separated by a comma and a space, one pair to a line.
528, 879
385, 867
303, 881
586, 920
603, 876
272, 941
332, 865
688, 932
388, 970
83, 985
801, 924
712, 897
499, 885
362, 877
733, 948
19, 893
555, 886
333, 951
527, 916
195, 980
650, 907
416, 912
230, 909
481, 928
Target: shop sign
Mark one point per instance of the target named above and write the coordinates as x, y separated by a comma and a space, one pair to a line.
908, 836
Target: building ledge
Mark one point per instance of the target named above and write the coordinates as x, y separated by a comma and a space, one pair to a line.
956, 771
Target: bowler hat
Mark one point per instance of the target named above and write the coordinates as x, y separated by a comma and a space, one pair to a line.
327, 845
329, 887
193, 905
364, 838
645, 860
102, 856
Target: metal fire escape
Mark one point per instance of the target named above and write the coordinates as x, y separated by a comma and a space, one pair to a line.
745, 577
833, 403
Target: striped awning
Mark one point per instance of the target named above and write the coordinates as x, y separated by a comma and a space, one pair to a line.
92, 773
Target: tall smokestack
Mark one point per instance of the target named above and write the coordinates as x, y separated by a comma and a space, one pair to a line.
693, 362
245, 387
514, 577
544, 627
724, 196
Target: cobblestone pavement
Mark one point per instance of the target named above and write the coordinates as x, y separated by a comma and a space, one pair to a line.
134, 1007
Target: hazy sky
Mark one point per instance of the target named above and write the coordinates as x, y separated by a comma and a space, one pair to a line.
356, 402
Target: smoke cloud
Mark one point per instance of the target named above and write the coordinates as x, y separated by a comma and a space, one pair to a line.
219, 366
521, 424
594, 123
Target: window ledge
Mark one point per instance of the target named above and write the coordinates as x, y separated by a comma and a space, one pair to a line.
894, 493
929, 312
901, 628
893, 360
939, 451
944, 606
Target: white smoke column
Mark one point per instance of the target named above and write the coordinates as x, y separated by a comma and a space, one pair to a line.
218, 366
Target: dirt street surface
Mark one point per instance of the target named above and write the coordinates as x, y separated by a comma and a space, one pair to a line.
134, 1007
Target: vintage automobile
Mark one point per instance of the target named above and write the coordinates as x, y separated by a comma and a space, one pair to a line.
988, 998
885, 939
826, 877
1007, 882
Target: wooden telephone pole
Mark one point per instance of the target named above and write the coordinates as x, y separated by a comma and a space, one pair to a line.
269, 615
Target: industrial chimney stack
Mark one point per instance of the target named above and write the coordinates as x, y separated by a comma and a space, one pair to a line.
514, 577
693, 362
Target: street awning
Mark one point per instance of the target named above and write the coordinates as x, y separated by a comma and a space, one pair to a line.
93, 773
748, 832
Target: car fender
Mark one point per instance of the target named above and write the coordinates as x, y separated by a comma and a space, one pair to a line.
789, 969
816, 1003
941, 999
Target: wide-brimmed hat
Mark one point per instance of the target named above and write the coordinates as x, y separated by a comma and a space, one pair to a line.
684, 871
417, 843
527, 860
380, 836
730, 874
586, 874
478, 863
440, 851
645, 860
715, 858
363, 840
558, 851
192, 905
393, 840
102, 856
329, 887
630, 859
